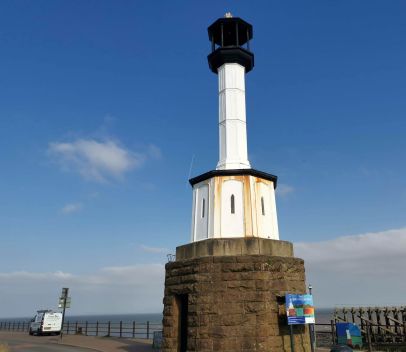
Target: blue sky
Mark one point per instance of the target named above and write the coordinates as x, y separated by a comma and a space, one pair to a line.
325, 109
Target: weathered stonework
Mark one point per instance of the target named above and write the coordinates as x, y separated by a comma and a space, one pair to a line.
234, 303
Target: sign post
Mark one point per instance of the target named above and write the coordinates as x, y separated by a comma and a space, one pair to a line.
299, 310
312, 328
64, 302
292, 338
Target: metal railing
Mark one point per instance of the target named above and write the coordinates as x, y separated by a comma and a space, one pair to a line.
326, 335
124, 329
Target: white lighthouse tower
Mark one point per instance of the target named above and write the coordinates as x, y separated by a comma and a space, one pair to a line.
235, 200
224, 290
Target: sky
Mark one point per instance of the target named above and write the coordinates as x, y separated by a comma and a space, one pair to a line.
107, 109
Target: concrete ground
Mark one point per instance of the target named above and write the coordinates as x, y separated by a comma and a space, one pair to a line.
19, 341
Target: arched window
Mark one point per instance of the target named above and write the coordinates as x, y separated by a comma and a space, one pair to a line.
203, 206
232, 204
262, 206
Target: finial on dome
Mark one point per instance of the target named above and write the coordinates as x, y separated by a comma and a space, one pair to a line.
228, 15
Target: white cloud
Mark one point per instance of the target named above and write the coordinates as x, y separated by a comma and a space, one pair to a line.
71, 208
154, 152
284, 190
149, 249
98, 160
25, 276
125, 289
360, 269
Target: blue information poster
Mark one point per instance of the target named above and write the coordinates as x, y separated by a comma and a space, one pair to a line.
299, 309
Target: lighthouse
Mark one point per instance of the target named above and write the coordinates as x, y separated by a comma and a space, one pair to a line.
234, 200
225, 291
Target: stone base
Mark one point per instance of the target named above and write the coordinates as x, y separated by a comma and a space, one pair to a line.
231, 303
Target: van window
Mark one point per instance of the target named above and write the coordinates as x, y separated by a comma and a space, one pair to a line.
38, 318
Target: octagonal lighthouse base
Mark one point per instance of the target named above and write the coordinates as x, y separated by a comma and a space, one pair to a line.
234, 203
228, 295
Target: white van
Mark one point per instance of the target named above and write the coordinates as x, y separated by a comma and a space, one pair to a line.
46, 322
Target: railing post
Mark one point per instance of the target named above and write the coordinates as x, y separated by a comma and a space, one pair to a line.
67, 328
333, 335
147, 329
369, 342
108, 328
97, 328
86, 329
76, 327
121, 328
14, 324
404, 330
133, 329
23, 325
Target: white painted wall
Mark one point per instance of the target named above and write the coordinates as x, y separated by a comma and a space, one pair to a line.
232, 118
201, 213
232, 224
266, 212
247, 220
275, 228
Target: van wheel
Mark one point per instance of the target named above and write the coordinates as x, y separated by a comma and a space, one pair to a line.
30, 332
39, 332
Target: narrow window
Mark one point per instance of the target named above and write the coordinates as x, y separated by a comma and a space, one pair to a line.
232, 204
262, 205
203, 206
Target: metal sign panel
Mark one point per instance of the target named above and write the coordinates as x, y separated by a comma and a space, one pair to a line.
65, 291
299, 309
64, 302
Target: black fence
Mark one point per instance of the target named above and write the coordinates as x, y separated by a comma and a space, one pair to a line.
124, 329
326, 336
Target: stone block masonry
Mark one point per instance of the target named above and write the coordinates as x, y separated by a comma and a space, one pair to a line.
231, 303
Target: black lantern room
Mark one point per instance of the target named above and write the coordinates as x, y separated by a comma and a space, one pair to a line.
228, 37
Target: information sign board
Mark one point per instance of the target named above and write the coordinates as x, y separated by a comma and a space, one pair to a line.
299, 309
